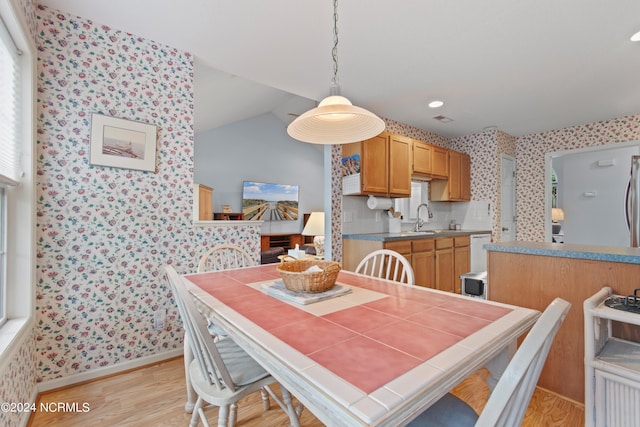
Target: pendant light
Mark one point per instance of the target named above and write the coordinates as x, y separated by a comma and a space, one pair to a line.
335, 120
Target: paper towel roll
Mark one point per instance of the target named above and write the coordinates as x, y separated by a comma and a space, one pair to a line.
379, 203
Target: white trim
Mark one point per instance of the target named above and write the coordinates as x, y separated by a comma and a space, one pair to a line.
108, 370
12, 336
229, 224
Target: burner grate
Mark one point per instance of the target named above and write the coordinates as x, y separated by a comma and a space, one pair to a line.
630, 303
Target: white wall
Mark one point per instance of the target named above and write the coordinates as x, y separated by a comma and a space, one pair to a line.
259, 149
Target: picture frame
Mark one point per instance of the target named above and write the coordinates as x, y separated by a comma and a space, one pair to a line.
122, 143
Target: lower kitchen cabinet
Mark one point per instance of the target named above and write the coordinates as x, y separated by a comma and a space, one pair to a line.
462, 260
423, 262
437, 262
444, 264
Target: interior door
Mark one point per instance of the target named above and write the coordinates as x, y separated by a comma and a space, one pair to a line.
508, 198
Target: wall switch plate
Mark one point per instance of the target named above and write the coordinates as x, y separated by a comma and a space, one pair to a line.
159, 319
378, 217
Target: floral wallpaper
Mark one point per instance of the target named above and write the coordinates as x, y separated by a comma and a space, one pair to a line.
104, 234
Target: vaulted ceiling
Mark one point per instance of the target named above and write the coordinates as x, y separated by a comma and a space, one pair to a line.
521, 66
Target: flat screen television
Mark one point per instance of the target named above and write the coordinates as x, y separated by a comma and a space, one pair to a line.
269, 202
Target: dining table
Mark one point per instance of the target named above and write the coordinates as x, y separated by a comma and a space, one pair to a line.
368, 352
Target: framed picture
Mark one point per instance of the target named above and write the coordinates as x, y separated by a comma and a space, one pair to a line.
121, 143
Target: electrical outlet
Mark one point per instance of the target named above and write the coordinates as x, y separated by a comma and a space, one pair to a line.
159, 319
378, 217
348, 216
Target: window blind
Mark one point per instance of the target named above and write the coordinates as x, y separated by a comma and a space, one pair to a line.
9, 110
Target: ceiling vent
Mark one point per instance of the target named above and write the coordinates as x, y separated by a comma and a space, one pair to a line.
443, 119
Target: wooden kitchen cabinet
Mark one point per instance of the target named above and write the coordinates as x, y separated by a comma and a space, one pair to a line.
465, 177
203, 199
399, 166
435, 261
444, 262
429, 161
423, 262
458, 185
461, 261
384, 164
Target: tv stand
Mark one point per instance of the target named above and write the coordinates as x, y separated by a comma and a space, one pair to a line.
280, 240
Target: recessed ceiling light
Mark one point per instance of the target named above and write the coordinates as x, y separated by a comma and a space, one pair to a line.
636, 37
436, 104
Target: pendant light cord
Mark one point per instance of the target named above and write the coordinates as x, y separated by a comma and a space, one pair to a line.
335, 86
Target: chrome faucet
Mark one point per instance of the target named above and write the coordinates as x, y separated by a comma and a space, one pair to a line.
420, 221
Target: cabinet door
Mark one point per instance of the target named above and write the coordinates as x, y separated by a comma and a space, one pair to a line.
444, 270
462, 265
399, 167
375, 165
422, 153
439, 162
423, 262
424, 268
465, 177
205, 203
455, 188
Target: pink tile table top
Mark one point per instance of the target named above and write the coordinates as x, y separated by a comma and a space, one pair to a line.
371, 351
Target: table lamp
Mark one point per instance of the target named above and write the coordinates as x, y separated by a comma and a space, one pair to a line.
557, 214
315, 227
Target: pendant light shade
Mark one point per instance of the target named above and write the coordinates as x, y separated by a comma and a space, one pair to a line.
335, 121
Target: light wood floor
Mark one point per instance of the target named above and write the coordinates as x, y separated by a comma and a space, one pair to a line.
155, 396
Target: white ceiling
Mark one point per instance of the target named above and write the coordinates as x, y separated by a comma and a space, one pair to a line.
522, 66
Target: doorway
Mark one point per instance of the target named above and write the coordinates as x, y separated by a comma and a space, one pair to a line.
507, 198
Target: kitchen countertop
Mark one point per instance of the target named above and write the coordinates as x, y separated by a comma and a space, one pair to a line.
589, 252
411, 235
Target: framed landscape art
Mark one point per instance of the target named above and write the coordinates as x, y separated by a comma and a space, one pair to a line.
121, 143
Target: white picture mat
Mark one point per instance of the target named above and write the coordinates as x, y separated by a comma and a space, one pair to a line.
122, 143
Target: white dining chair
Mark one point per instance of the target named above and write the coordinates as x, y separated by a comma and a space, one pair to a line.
387, 264
221, 373
225, 257
510, 398
219, 257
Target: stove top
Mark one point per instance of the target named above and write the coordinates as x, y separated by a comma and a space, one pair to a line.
630, 303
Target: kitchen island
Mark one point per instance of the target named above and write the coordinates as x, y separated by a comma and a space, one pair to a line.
532, 274
438, 258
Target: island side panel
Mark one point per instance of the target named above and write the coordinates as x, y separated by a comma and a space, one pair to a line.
533, 281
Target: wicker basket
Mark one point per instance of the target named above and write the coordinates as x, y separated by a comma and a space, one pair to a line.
297, 279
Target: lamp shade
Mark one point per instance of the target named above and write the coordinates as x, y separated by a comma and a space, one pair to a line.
557, 214
315, 225
335, 121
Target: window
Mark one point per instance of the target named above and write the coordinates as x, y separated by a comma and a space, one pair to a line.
3, 258
9, 143
409, 206
17, 188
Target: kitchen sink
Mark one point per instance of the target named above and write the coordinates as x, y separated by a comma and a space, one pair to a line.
418, 233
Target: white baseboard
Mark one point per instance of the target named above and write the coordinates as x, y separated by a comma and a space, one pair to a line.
108, 370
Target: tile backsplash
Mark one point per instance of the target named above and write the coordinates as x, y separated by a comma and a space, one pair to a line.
357, 218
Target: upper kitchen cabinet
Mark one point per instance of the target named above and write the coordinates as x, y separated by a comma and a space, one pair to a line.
429, 161
384, 165
458, 185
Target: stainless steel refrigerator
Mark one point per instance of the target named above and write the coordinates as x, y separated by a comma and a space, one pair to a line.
633, 203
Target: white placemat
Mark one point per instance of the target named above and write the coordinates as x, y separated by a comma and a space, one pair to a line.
278, 290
